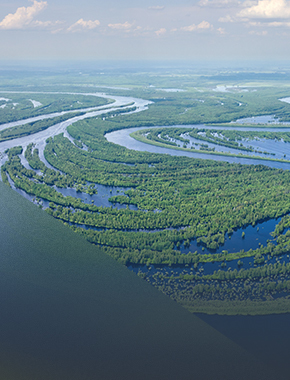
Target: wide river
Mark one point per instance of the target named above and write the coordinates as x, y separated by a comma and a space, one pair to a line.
40, 138
122, 137
71, 312
68, 311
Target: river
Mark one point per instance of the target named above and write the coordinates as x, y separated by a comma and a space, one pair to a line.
68, 311
122, 137
39, 138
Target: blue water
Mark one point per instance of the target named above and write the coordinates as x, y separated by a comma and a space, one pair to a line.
70, 312
266, 337
123, 138
101, 199
38, 201
263, 119
254, 236
206, 268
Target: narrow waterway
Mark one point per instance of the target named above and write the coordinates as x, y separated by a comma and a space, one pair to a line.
101, 198
122, 137
71, 312
254, 236
246, 238
39, 138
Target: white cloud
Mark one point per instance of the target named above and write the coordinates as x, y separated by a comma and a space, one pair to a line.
23, 17
277, 24
50, 25
218, 3
44, 24
267, 9
258, 33
157, 7
273, 24
227, 18
125, 26
83, 25
55, 31
160, 32
249, 3
192, 28
254, 23
221, 31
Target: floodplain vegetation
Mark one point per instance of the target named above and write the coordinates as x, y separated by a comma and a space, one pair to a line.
20, 105
179, 139
177, 200
34, 127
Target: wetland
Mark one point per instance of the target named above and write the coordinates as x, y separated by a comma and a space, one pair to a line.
199, 193
207, 228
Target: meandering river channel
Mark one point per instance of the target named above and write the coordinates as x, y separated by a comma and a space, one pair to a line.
39, 138
122, 137
78, 344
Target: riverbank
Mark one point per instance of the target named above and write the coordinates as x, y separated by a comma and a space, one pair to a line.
138, 135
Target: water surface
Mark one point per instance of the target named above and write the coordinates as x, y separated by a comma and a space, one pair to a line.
122, 137
70, 312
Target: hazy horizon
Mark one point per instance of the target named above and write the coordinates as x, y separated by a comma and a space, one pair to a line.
157, 30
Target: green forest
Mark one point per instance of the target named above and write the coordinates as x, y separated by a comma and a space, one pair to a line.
177, 200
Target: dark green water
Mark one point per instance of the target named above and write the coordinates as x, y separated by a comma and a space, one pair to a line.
69, 312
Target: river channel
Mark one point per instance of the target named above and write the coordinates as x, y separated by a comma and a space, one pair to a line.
253, 237
122, 137
70, 312
39, 138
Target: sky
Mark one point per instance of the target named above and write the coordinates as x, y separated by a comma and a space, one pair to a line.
144, 30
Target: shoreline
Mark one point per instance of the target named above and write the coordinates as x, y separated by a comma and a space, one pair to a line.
137, 136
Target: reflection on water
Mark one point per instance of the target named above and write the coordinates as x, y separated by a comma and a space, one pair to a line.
266, 337
38, 201
263, 148
122, 137
70, 312
101, 199
206, 268
253, 238
264, 119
